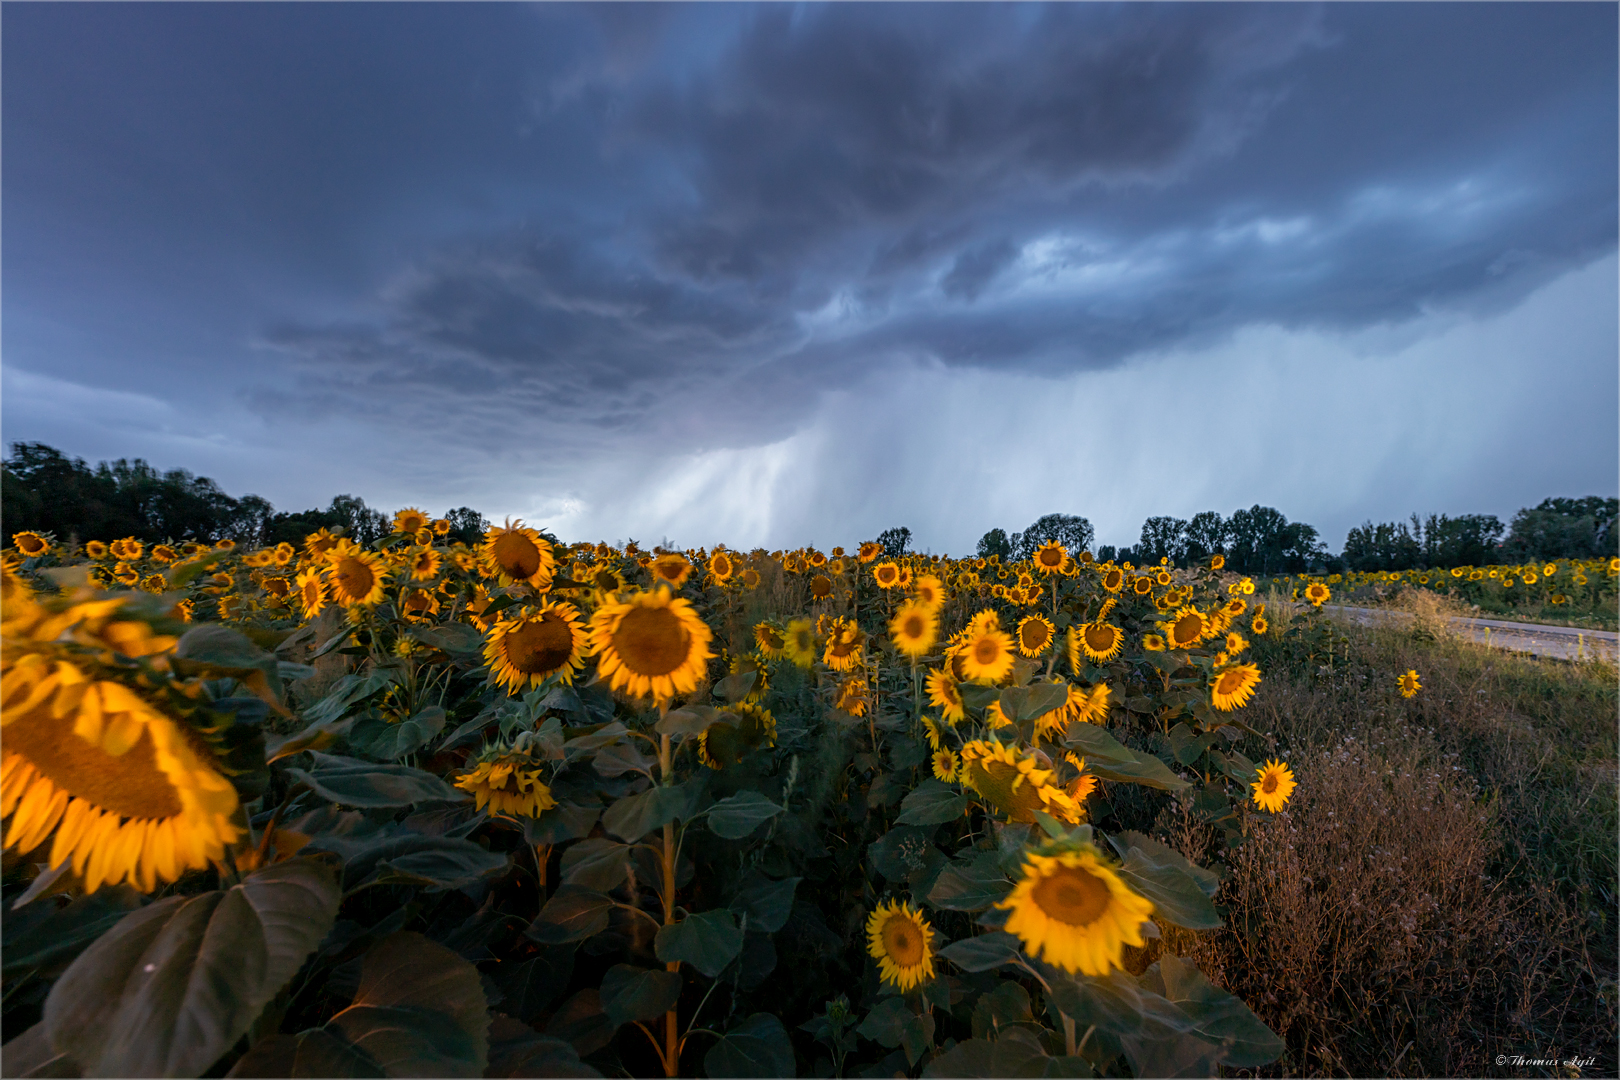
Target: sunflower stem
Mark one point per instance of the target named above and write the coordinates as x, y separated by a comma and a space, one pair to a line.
672, 1051
1068, 1034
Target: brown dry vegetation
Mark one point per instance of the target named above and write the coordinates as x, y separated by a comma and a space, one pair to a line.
1442, 888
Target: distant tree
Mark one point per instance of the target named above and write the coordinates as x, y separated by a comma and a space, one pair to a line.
467, 525
1073, 532
1205, 536
1107, 552
995, 542
1262, 541
1560, 528
895, 541
1388, 545
1163, 538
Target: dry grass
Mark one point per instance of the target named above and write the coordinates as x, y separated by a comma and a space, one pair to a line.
1442, 888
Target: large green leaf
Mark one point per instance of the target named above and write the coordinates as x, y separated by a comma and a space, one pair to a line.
532, 985
457, 639
351, 782
932, 803
733, 688
1021, 703
174, 985
688, 722
1215, 1014
597, 863
970, 1058
1146, 770
759, 1046
214, 649
516, 1049
1164, 855
564, 821
45, 936
984, 952
1175, 894
1095, 744
970, 886
766, 903
708, 940
573, 913
633, 993
400, 854
419, 1011
634, 816
32, 1055
892, 1022
378, 738
738, 815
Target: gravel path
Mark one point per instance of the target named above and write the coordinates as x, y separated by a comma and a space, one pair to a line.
1562, 642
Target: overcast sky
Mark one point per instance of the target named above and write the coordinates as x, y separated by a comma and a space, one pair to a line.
789, 275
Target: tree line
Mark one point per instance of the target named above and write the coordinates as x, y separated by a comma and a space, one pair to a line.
43, 490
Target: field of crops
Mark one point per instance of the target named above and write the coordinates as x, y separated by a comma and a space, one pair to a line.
528, 809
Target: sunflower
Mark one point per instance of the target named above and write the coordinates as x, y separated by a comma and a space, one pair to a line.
1318, 593
651, 645
525, 651
821, 587
1051, 558
721, 566
1034, 635
157, 584
1217, 561
515, 553
95, 549
750, 578
671, 569
30, 544
902, 943
1097, 641
424, 564
355, 576
1259, 625
931, 731
126, 574
1162, 577
914, 628
845, 645
724, 744
1273, 788
929, 590
441, 526
986, 654
410, 519
869, 551
944, 762
129, 791
801, 642
762, 682
508, 783
1113, 579
770, 640
282, 554
1409, 684
852, 696
944, 695
1011, 782
886, 574
1233, 687
129, 549
1142, 586
1072, 910
1236, 643
1186, 628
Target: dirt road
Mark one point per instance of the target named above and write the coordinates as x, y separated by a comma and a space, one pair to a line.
1563, 642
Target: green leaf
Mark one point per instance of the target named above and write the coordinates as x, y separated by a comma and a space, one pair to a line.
1007, 1004
932, 803
708, 940
174, 985
314, 1053
1022, 703
516, 1049
906, 853
597, 863
532, 985
892, 1022
31, 1055
1217, 1015
213, 649
564, 821
50, 937
733, 688
1167, 1054
1208, 880
970, 1058
1096, 745
316, 736
688, 722
1145, 770
984, 952
457, 639
975, 696
378, 738
634, 816
602, 736
767, 903
352, 782
436, 863
738, 815
969, 887
633, 993
1175, 894
573, 913
759, 1046
1187, 745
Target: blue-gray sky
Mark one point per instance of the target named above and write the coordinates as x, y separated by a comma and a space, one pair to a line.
791, 274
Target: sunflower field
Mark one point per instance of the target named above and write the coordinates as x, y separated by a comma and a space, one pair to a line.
533, 809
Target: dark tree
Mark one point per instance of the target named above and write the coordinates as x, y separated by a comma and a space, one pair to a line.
1262, 541
1107, 552
1564, 529
1205, 536
995, 542
1163, 538
1070, 530
895, 541
467, 525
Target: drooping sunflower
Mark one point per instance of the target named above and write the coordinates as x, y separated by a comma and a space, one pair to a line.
1233, 687
853, 697
1051, 558
944, 763
986, 653
846, 644
1186, 628
1034, 635
1097, 641
800, 641
355, 576
1073, 911
650, 645
1011, 782
410, 519
525, 651
1274, 786
672, 569
508, 782
516, 554
762, 682
902, 942
1318, 593
914, 628
944, 695
1409, 684
770, 640
424, 564
886, 574
724, 744
30, 544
